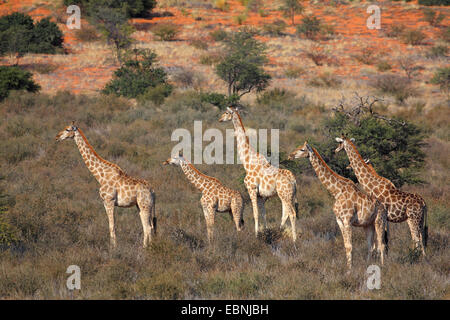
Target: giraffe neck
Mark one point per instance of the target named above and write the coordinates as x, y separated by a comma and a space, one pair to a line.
198, 179
367, 177
334, 183
96, 165
247, 154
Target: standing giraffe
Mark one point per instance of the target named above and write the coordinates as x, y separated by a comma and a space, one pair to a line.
116, 187
215, 196
352, 207
402, 206
263, 180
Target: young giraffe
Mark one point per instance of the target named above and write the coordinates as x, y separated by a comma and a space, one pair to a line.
401, 206
215, 196
352, 207
263, 180
116, 187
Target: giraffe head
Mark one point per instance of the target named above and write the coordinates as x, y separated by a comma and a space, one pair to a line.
302, 151
342, 142
67, 133
228, 114
175, 160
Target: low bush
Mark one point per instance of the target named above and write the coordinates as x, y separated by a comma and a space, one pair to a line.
442, 78
397, 86
275, 29
14, 78
413, 37
138, 76
165, 32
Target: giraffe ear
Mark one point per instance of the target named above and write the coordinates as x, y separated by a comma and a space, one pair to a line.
367, 161
339, 140
352, 139
229, 109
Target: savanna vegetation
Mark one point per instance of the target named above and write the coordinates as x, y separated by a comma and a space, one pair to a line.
51, 215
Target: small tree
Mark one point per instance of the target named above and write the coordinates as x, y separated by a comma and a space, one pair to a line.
442, 78
113, 24
14, 78
138, 75
310, 27
242, 66
290, 8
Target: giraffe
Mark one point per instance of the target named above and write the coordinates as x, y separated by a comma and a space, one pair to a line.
262, 179
215, 196
352, 206
402, 206
116, 187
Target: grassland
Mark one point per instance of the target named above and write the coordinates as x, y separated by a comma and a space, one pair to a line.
59, 219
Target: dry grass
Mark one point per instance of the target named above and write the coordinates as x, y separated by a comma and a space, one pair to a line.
64, 222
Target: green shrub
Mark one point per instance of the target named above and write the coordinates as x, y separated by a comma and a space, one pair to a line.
397, 86
294, 72
442, 78
14, 78
383, 66
47, 37
132, 8
395, 30
310, 27
156, 94
165, 32
438, 51
210, 59
218, 35
444, 34
275, 29
199, 44
137, 75
326, 79
87, 34
434, 18
413, 37
275, 95
435, 2
19, 35
219, 100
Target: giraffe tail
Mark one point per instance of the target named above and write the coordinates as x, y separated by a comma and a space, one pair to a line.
154, 220
425, 229
295, 201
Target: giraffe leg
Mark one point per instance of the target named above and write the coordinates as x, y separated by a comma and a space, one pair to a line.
237, 210
262, 210
145, 216
380, 229
109, 207
347, 235
370, 230
253, 196
416, 233
208, 211
289, 211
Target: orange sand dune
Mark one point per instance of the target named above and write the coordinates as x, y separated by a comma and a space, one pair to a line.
87, 75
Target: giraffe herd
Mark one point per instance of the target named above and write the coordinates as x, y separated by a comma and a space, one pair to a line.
371, 205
